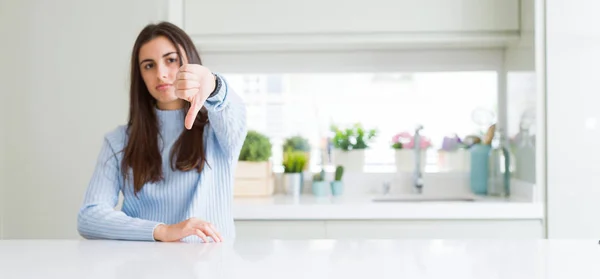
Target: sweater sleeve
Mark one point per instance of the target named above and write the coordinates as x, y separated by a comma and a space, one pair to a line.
98, 218
227, 116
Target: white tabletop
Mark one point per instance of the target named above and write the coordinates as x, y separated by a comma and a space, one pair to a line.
463, 259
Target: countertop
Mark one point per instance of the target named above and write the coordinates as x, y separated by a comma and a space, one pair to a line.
308, 207
465, 259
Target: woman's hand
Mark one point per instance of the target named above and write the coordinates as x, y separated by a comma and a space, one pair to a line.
194, 83
192, 226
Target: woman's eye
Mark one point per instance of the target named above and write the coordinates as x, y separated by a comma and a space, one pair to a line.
172, 60
148, 66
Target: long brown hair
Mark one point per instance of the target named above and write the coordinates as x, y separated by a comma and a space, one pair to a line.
142, 153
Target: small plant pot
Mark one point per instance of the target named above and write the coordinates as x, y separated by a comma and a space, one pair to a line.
352, 161
320, 189
292, 184
405, 160
337, 188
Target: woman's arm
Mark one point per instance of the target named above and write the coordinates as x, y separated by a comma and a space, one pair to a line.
97, 217
227, 115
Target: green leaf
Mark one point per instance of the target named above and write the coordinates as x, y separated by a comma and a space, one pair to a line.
294, 161
256, 148
296, 143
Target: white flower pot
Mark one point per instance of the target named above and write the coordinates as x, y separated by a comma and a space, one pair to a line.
292, 184
459, 160
405, 160
352, 161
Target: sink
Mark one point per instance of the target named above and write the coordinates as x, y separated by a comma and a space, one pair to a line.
424, 198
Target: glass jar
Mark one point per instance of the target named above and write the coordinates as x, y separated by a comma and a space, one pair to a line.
500, 167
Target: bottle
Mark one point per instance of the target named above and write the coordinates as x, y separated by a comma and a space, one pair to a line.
479, 168
499, 167
524, 152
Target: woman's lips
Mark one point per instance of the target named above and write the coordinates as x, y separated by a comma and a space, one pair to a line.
163, 87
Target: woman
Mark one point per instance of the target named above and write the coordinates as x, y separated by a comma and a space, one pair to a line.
174, 160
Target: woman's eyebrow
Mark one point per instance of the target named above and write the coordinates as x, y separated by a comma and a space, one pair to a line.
164, 55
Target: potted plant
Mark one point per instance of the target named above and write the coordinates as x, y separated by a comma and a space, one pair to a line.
403, 144
319, 185
293, 165
254, 172
298, 143
454, 154
350, 144
337, 186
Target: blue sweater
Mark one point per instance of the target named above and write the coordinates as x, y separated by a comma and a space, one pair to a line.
181, 195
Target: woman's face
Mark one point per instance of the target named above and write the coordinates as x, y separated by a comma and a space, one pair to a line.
159, 64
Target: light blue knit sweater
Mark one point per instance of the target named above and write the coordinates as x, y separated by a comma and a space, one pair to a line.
181, 195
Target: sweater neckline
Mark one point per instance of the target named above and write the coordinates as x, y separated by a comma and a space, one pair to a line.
170, 120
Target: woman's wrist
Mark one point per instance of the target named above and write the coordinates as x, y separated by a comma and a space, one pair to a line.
217, 86
159, 232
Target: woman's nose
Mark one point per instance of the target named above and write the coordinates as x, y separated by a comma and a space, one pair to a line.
163, 72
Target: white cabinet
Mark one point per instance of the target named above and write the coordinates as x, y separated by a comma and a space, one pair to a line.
272, 17
390, 229
287, 24
434, 229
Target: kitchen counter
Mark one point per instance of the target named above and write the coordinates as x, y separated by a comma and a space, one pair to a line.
73, 259
309, 207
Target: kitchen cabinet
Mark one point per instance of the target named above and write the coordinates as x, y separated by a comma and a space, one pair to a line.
258, 24
390, 229
434, 229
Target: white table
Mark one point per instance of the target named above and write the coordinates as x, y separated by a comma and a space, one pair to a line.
463, 259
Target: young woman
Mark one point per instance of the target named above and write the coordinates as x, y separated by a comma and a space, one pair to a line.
175, 158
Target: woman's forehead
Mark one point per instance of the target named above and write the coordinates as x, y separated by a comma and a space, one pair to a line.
157, 47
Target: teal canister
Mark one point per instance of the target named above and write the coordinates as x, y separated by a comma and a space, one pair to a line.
479, 168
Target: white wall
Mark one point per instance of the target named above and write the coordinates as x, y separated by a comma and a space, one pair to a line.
67, 86
6, 73
2, 163
573, 111
3, 107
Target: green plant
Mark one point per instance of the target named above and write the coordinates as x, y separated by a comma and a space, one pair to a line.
341, 138
256, 148
296, 143
355, 137
363, 137
319, 176
397, 140
294, 161
339, 172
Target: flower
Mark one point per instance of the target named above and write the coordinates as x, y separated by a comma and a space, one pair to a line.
406, 140
451, 143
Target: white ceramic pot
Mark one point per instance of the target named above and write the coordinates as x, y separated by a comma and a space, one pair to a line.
405, 160
459, 160
352, 161
292, 184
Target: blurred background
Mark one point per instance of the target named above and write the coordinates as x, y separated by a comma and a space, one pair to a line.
503, 89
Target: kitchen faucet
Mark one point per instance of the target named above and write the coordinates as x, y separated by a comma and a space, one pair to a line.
418, 175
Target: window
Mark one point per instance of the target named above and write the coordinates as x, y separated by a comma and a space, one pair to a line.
307, 104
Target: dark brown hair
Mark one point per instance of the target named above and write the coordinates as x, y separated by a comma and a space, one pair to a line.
142, 153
